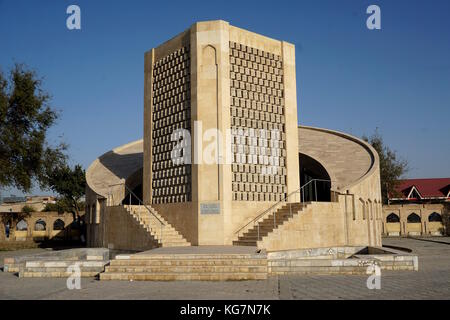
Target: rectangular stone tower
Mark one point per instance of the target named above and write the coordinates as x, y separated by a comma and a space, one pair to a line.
211, 78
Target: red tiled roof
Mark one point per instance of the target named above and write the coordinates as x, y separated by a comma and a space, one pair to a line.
427, 188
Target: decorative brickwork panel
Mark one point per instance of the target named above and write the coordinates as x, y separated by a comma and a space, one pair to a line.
171, 182
258, 125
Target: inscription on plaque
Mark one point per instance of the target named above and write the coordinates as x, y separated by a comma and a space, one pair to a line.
209, 208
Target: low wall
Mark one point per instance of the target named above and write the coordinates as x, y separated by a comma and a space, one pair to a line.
30, 234
340, 260
320, 224
182, 217
119, 230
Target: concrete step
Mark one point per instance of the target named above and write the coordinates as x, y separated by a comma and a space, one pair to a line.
56, 274
157, 230
318, 266
319, 270
254, 234
266, 226
152, 219
191, 256
278, 219
293, 207
165, 233
167, 236
186, 269
269, 223
183, 276
157, 226
59, 268
285, 216
187, 262
195, 266
63, 264
175, 244
62, 269
252, 238
250, 243
287, 212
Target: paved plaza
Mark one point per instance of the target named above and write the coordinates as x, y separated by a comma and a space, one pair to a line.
432, 281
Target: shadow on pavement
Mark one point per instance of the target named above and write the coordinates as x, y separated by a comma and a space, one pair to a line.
430, 240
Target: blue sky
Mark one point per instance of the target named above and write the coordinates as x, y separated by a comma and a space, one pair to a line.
349, 78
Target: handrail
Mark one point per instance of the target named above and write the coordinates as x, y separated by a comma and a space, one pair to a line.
271, 208
267, 210
139, 200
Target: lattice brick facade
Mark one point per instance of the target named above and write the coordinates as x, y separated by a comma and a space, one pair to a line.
257, 107
171, 183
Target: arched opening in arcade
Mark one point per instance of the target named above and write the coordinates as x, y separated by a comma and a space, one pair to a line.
414, 224
393, 224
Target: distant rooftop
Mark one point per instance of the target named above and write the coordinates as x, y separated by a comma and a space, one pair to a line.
16, 199
417, 189
13, 199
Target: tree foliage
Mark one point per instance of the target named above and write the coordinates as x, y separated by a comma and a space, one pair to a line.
28, 209
392, 168
70, 184
55, 207
25, 117
61, 206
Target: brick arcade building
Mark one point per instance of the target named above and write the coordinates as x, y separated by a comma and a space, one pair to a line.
417, 208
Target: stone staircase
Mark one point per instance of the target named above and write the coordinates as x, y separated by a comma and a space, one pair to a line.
194, 267
168, 236
269, 224
91, 262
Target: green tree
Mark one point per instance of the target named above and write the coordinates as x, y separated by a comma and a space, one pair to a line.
25, 117
70, 184
28, 209
56, 207
392, 168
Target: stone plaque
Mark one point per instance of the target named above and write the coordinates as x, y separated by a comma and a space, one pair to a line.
210, 208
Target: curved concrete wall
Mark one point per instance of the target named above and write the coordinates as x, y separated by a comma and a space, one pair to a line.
104, 179
347, 159
353, 166
113, 168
